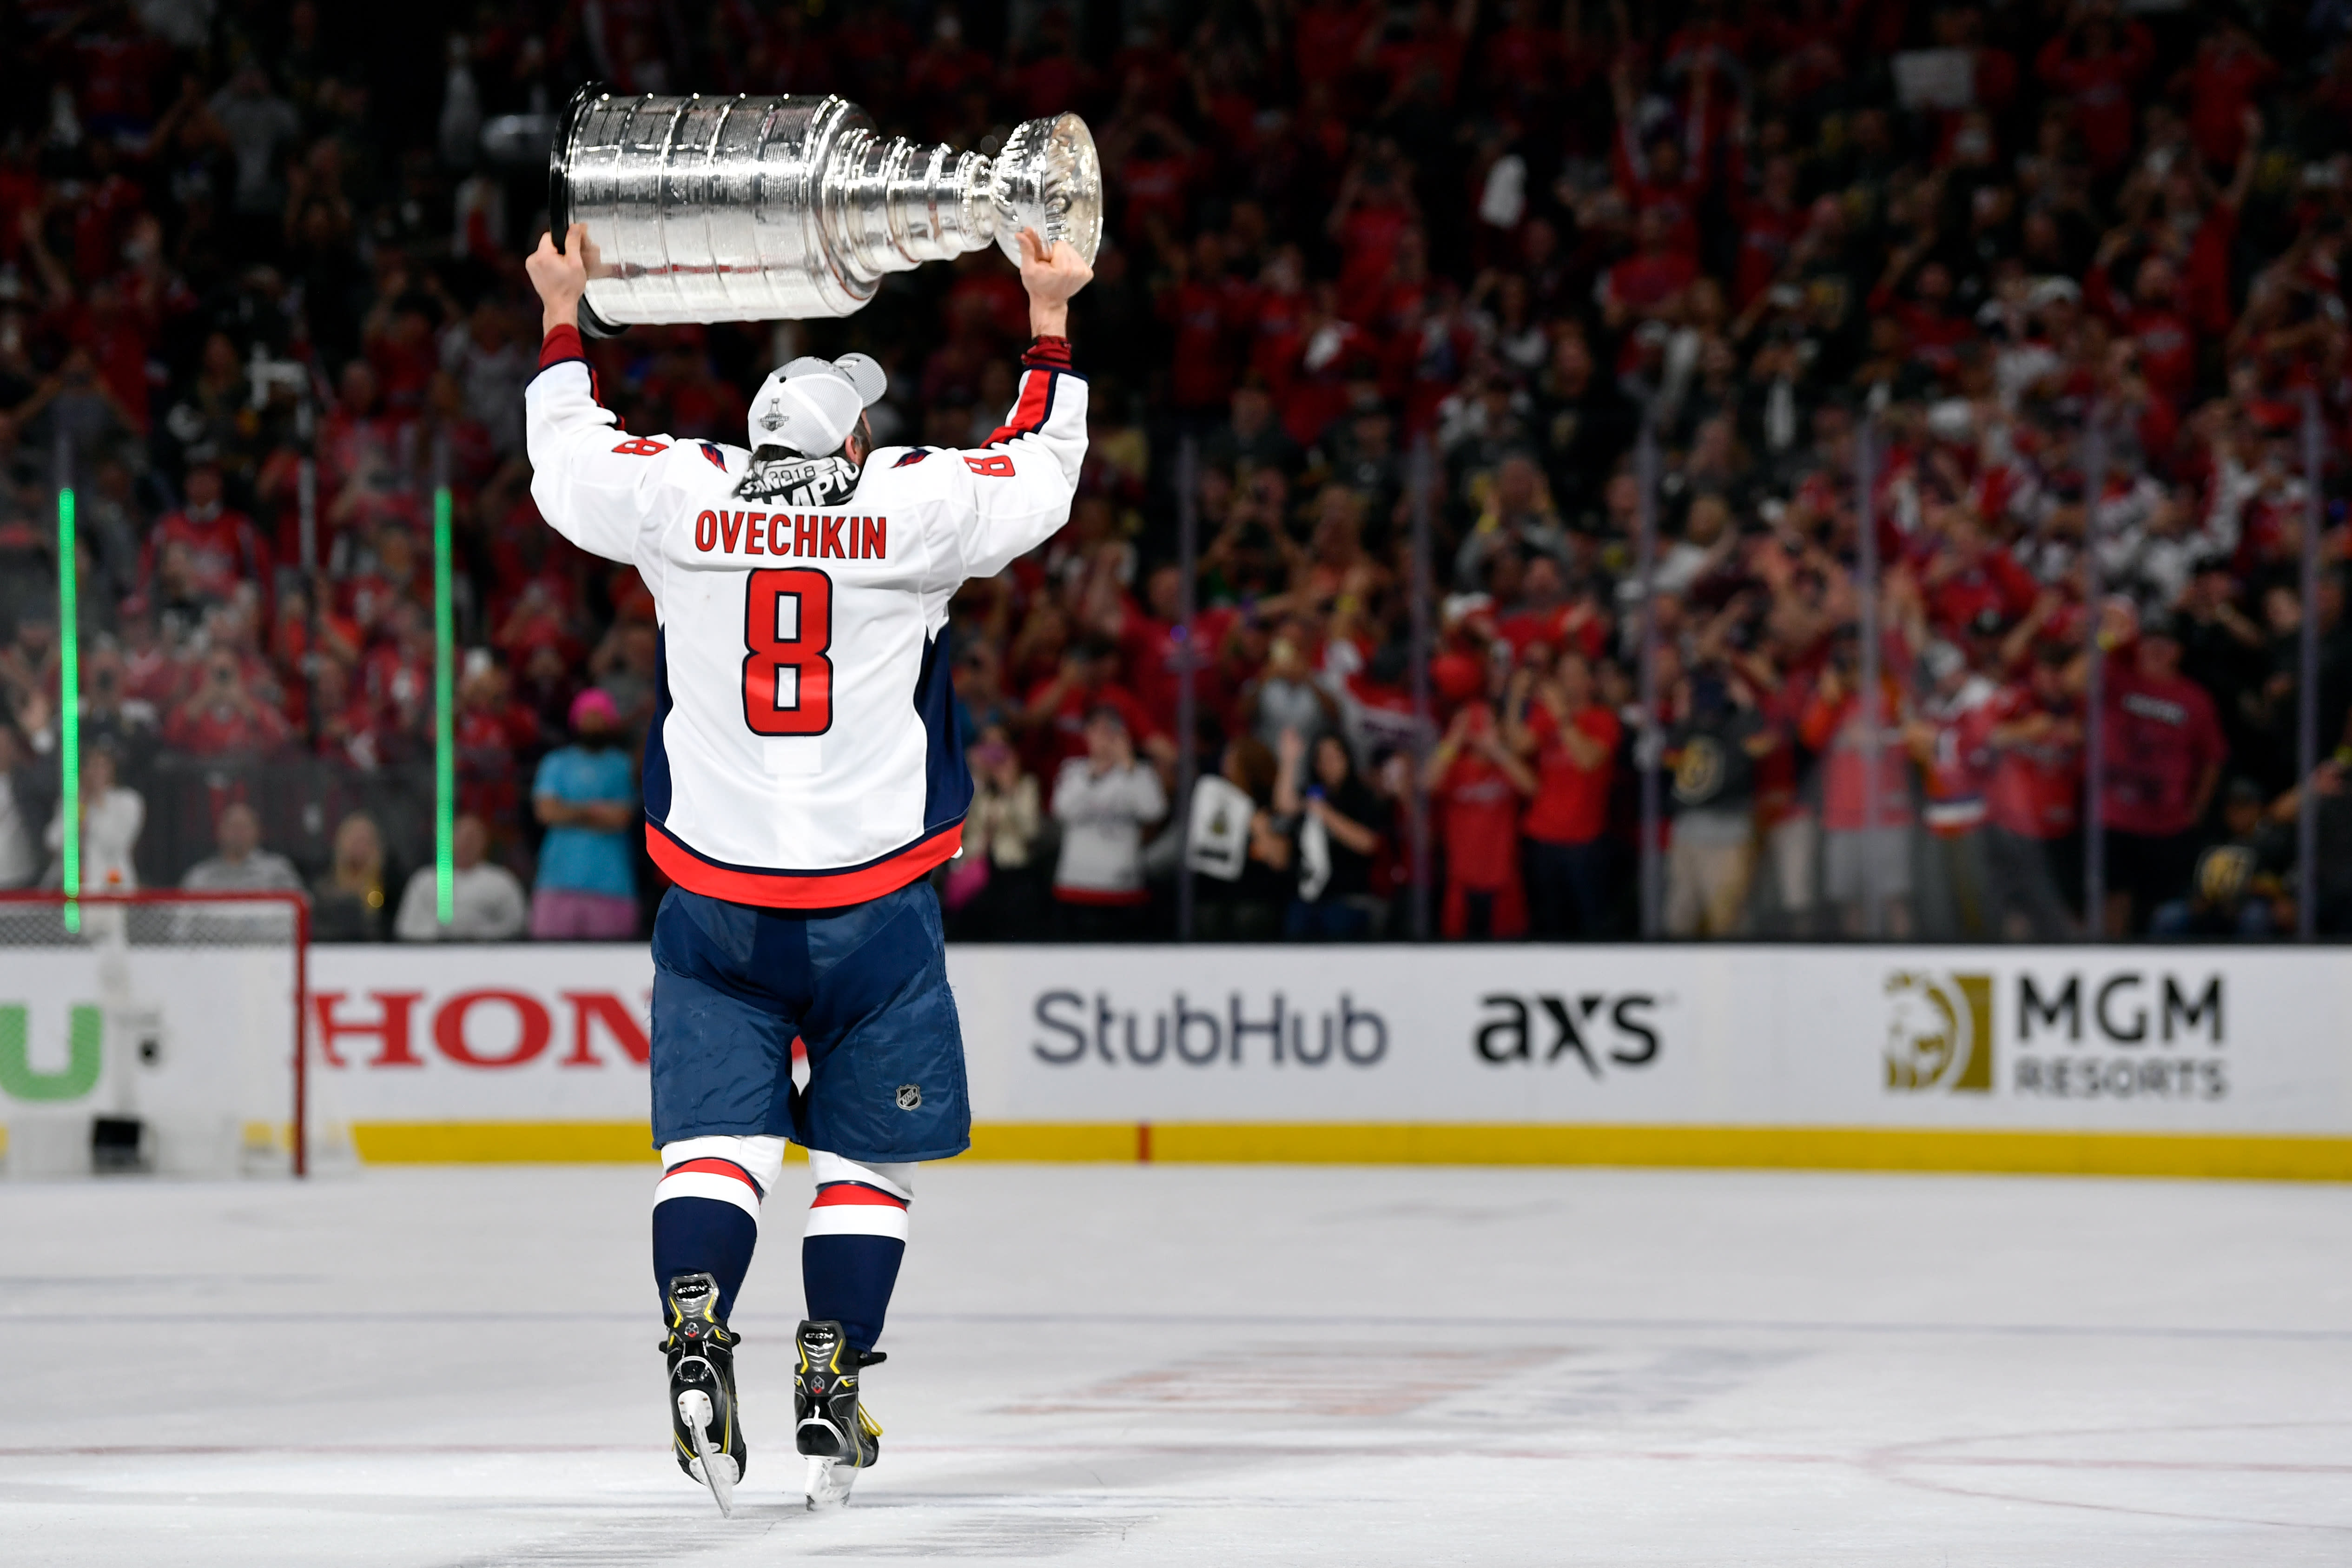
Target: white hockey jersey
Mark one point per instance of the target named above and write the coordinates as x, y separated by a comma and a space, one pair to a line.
803, 752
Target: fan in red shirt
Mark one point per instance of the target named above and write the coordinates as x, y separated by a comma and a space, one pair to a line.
2229, 69
2153, 317
1200, 307
1520, 59
1863, 852
1573, 742
2095, 63
1369, 219
1769, 223
1478, 784
1930, 325
2163, 756
2034, 798
1949, 736
358, 442
1431, 41
1326, 35
1667, 177
223, 716
1154, 178
1153, 649
1052, 75
394, 680
491, 731
1056, 709
1645, 283
1546, 615
1967, 576
222, 546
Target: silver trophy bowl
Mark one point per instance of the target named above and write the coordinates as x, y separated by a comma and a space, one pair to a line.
745, 209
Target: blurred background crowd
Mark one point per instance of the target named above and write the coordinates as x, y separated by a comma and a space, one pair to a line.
1843, 373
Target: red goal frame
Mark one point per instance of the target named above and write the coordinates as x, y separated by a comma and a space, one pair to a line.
300, 903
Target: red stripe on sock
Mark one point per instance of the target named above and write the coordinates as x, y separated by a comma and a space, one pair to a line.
717, 1168
854, 1193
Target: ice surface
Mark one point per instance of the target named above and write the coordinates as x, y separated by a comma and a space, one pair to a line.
1203, 1365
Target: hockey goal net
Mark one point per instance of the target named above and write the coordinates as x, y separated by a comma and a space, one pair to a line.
155, 1032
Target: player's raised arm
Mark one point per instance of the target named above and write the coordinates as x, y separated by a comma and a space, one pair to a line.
1020, 482
595, 483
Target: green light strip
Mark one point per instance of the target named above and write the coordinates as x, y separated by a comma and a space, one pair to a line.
69, 705
444, 717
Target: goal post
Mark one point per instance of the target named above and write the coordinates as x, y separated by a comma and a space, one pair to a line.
161, 1031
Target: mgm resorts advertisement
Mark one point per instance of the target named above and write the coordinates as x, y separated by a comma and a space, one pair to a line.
1711, 1054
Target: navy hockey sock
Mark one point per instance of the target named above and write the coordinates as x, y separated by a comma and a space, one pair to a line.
849, 1278
706, 1221
857, 1237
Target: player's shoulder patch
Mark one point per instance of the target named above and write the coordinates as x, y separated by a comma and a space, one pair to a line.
912, 457
718, 459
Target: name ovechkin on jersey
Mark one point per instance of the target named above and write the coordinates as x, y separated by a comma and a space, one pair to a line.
788, 533
795, 481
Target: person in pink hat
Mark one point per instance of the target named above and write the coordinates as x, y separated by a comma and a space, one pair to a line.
586, 795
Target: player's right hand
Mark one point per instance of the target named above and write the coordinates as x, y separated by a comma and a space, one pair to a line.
561, 276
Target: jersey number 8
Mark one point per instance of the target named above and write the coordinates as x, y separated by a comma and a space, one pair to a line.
787, 678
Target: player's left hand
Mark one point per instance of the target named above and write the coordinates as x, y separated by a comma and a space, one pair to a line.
1051, 271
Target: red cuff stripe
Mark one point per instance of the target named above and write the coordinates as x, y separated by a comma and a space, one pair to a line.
562, 343
853, 1193
1052, 354
717, 1168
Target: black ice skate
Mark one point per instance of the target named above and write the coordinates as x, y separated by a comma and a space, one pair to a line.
704, 1418
835, 1430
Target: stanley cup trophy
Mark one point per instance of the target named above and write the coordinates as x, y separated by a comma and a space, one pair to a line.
739, 209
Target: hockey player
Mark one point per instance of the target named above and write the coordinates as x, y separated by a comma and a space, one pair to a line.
802, 773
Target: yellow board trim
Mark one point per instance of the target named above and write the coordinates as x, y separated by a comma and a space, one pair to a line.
1761, 1148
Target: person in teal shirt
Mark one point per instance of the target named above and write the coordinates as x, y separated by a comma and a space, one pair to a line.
586, 794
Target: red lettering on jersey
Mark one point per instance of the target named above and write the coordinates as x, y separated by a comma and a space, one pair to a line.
878, 536
805, 535
758, 523
730, 525
640, 448
706, 530
997, 466
832, 537
854, 537
751, 535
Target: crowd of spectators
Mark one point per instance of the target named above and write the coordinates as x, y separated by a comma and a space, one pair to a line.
1993, 325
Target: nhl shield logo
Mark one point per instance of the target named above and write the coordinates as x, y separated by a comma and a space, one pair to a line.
910, 1097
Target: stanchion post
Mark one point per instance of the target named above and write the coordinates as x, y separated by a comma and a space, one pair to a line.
1871, 699
2306, 717
1420, 601
2095, 684
444, 694
68, 686
1187, 725
1650, 740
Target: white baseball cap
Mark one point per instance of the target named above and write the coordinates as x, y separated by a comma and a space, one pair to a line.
811, 405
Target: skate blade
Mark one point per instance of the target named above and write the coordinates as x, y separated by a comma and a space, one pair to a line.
718, 1468
828, 1484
